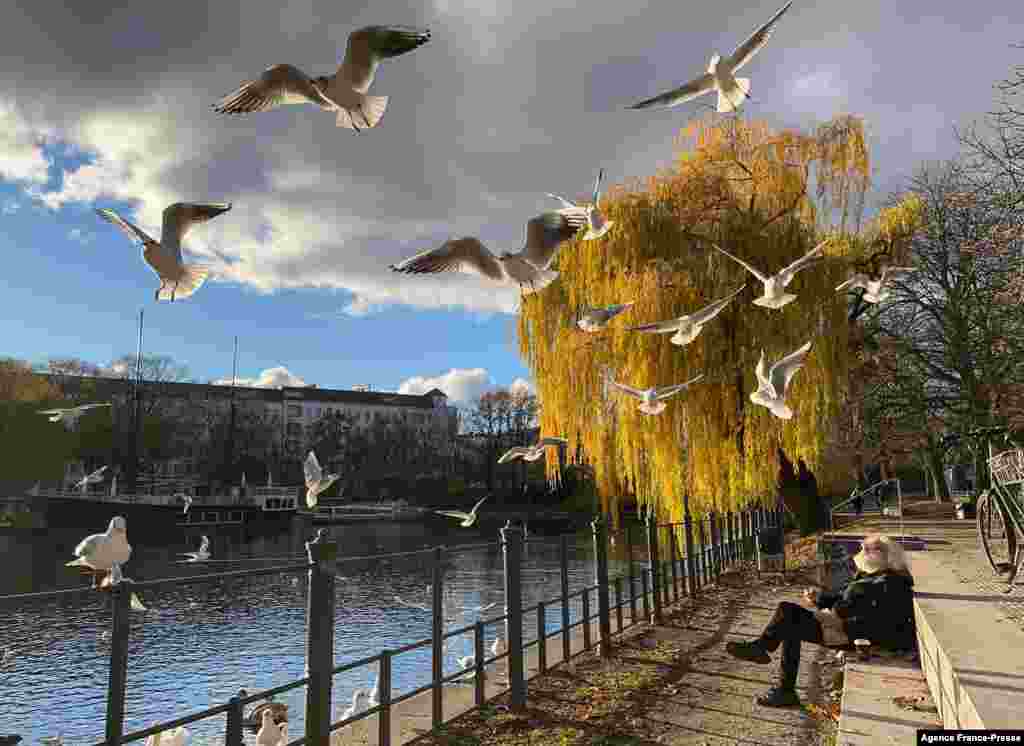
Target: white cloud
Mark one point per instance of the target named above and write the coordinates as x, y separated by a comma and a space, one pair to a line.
461, 385
271, 378
21, 147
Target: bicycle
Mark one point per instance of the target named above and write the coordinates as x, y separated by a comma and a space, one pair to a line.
1000, 512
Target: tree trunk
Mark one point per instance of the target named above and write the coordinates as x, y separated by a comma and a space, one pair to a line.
933, 462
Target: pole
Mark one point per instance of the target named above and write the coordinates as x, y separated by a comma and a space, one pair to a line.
320, 606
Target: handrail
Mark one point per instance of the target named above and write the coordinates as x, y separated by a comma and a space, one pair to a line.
859, 493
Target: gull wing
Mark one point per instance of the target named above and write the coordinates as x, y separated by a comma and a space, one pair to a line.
597, 187
369, 45
552, 441
513, 453
181, 216
459, 254
658, 327
742, 263
745, 51
478, 504
277, 86
565, 203
784, 370
686, 92
711, 310
667, 391
453, 514
51, 411
858, 280
311, 470
806, 260
132, 231
85, 407
760, 372
546, 232
627, 389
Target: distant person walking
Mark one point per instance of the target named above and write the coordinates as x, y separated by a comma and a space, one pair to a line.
858, 500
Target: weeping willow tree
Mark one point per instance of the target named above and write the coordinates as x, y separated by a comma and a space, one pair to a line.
765, 196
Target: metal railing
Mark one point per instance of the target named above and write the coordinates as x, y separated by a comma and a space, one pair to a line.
861, 493
719, 542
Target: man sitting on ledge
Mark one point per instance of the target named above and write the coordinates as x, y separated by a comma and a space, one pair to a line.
877, 605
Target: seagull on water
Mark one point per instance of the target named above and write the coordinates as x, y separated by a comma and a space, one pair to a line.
652, 399
467, 519
343, 93
597, 226
177, 279
200, 556
531, 453
775, 285
95, 478
597, 319
773, 385
687, 327
316, 480
70, 415
100, 552
732, 91
876, 290
529, 267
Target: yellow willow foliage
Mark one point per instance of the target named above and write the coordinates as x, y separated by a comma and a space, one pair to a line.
744, 187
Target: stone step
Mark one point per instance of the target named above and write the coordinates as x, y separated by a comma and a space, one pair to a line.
884, 701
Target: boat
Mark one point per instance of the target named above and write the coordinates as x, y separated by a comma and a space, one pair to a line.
360, 513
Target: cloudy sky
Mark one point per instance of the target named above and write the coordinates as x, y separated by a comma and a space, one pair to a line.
104, 106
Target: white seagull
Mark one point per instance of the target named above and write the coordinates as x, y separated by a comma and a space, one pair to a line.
177, 279
652, 399
200, 556
187, 499
70, 415
358, 696
597, 226
468, 519
687, 327
316, 480
269, 733
775, 285
529, 267
597, 319
115, 578
343, 93
100, 552
7, 657
878, 290
374, 694
531, 453
95, 478
773, 385
732, 91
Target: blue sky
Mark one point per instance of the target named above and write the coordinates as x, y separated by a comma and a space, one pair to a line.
104, 108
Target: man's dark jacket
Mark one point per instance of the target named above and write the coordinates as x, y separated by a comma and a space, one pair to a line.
878, 607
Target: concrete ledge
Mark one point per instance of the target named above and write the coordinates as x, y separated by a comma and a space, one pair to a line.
870, 713
973, 661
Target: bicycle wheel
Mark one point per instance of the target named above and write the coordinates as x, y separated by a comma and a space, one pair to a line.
998, 538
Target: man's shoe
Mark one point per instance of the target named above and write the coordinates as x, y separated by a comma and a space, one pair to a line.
779, 697
748, 651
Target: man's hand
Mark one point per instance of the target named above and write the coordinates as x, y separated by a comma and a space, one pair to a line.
811, 596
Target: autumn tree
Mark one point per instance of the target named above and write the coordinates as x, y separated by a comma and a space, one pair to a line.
748, 189
34, 448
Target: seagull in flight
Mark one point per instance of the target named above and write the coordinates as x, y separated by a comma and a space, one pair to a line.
773, 386
316, 480
177, 279
876, 290
95, 478
597, 319
70, 415
531, 453
720, 76
597, 226
344, 93
652, 399
774, 286
529, 267
467, 519
187, 499
199, 556
687, 327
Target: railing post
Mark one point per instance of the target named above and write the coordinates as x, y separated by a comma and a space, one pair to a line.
478, 662
618, 602
233, 727
586, 618
672, 544
729, 545
564, 567
320, 638
542, 637
384, 699
629, 573
688, 539
705, 574
437, 636
716, 545
512, 546
601, 572
644, 594
120, 632
652, 550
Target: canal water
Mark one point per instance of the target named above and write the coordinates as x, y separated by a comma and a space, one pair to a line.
196, 645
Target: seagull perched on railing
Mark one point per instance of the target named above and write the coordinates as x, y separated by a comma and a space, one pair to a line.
98, 553
732, 91
95, 478
269, 733
70, 415
652, 399
468, 519
529, 267
344, 92
596, 319
116, 578
597, 226
687, 327
531, 453
775, 285
200, 556
316, 480
358, 697
876, 290
773, 385
177, 279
